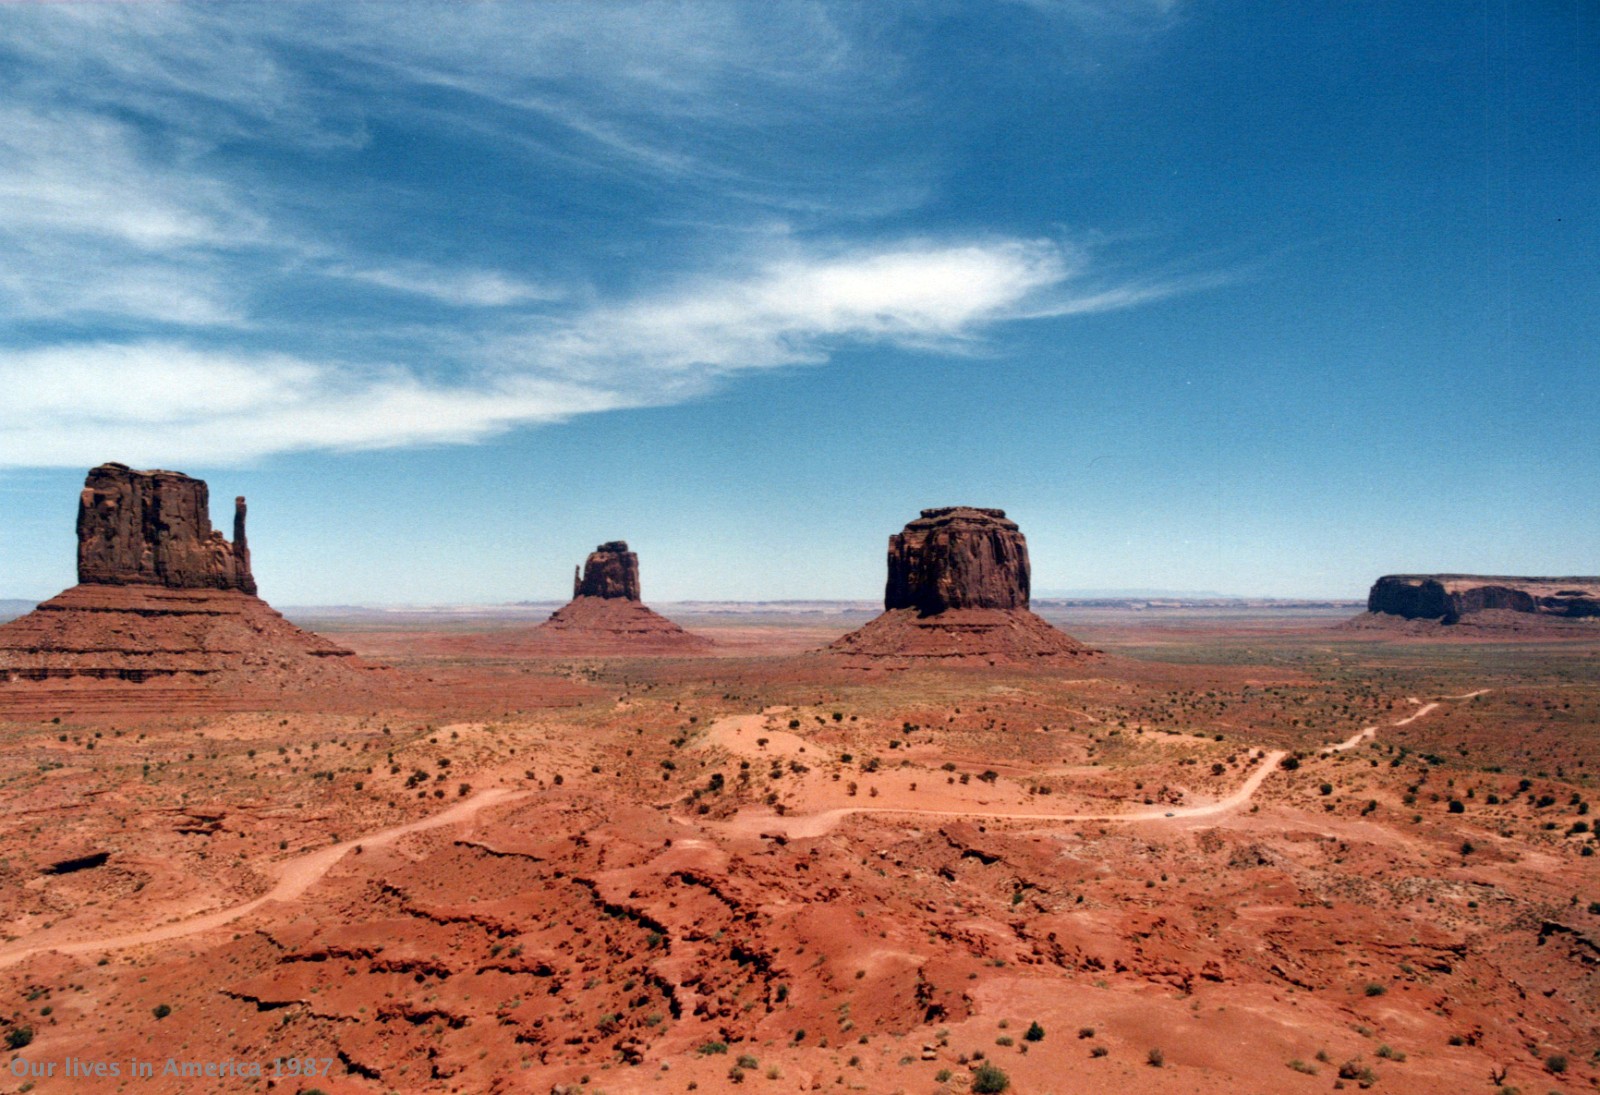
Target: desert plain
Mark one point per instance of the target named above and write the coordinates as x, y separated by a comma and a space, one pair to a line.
1239, 849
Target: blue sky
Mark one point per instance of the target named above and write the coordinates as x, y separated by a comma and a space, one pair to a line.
1208, 296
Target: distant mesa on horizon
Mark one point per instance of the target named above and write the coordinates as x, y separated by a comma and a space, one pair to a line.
161, 594
606, 613
958, 588
1484, 600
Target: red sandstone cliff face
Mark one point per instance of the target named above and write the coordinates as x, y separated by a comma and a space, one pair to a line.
958, 589
611, 571
958, 557
154, 528
161, 596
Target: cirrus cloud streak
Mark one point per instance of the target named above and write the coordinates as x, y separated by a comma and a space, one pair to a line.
155, 401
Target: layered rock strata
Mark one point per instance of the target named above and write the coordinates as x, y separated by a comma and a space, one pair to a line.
1449, 597
958, 557
958, 588
147, 632
154, 528
160, 594
1484, 601
606, 614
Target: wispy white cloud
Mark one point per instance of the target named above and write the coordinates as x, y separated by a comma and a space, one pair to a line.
122, 206
794, 309
160, 403
632, 64
1112, 16
79, 174
159, 383
1113, 296
92, 224
165, 214
640, 82
45, 280
204, 73
166, 402
462, 288
99, 219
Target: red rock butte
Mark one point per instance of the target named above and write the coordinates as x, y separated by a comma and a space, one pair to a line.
1495, 602
606, 615
161, 595
154, 528
611, 572
958, 588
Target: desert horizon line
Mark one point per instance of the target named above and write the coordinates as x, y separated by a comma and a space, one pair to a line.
1088, 599
114, 470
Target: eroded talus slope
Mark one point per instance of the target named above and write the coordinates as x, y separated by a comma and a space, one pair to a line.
161, 596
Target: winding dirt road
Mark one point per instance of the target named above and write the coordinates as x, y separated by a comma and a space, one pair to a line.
819, 824
824, 822
1371, 731
295, 876
1417, 714
1352, 741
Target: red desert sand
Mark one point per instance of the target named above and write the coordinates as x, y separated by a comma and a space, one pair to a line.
1234, 852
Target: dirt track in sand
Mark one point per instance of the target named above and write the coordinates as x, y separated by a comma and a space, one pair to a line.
824, 822
296, 876
819, 824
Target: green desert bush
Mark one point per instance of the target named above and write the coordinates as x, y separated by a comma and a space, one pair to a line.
990, 1080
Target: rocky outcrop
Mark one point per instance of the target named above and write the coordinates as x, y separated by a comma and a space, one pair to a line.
1448, 598
958, 589
606, 616
154, 528
958, 557
161, 596
611, 572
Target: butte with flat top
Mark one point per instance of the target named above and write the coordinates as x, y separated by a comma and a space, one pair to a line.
1443, 602
958, 588
161, 595
606, 614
